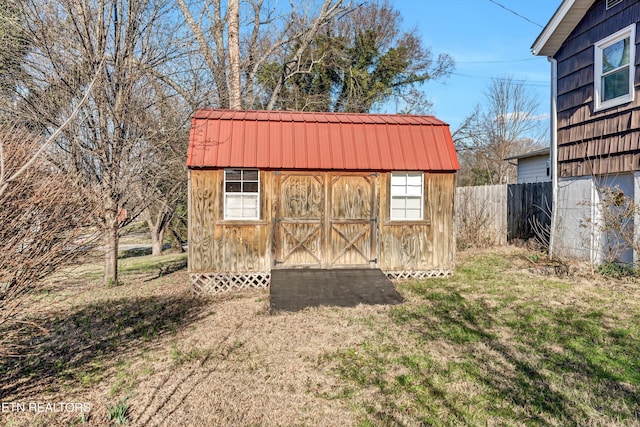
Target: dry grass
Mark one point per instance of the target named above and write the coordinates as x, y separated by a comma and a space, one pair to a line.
178, 359
494, 345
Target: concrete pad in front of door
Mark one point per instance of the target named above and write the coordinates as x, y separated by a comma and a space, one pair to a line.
295, 289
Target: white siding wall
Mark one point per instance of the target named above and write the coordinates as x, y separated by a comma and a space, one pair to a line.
533, 169
576, 232
573, 232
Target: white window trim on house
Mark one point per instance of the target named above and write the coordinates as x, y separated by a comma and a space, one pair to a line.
630, 33
248, 200
403, 193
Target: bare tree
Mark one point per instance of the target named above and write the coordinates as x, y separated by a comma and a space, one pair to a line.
269, 34
108, 145
616, 216
13, 47
46, 221
507, 124
164, 184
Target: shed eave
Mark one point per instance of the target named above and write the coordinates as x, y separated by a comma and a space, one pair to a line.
200, 167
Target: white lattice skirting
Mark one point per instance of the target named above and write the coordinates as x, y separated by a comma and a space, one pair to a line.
222, 282
408, 274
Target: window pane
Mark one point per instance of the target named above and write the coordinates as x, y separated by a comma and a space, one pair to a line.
250, 201
250, 213
413, 203
249, 187
615, 56
615, 84
234, 201
233, 187
397, 213
398, 203
233, 174
250, 206
398, 190
414, 180
414, 190
233, 213
398, 179
233, 206
413, 214
250, 175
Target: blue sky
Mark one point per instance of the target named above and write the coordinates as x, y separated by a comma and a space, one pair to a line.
486, 41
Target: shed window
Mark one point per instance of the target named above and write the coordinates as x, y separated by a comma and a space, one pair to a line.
614, 72
407, 195
241, 194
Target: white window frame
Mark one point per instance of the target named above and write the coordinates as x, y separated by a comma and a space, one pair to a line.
405, 196
630, 33
227, 216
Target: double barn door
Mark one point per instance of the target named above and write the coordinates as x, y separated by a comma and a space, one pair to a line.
325, 220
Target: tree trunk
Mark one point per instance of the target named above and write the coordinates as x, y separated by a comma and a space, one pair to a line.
111, 255
176, 242
235, 97
157, 240
157, 226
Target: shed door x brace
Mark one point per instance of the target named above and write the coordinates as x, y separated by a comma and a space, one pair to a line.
325, 220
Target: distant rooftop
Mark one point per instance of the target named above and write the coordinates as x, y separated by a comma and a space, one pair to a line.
536, 153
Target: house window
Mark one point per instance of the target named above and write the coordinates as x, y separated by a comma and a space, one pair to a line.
548, 167
241, 194
614, 71
407, 195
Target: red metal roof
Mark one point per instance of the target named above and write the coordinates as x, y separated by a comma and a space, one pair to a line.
319, 141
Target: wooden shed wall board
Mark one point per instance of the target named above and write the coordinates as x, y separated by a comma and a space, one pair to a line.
605, 141
219, 245
341, 220
423, 245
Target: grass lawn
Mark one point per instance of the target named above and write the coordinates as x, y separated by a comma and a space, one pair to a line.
493, 345
496, 345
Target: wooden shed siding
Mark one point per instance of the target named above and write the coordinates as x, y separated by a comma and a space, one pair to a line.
216, 245
219, 245
595, 142
420, 245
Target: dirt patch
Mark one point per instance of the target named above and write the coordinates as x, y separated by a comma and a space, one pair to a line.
180, 360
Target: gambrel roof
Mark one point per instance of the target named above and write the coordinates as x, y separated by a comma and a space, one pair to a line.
319, 141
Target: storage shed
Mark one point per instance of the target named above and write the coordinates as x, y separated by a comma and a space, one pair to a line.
275, 189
